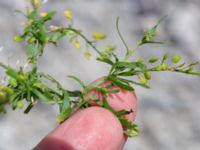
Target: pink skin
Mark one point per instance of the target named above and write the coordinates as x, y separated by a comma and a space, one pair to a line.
93, 127
122, 100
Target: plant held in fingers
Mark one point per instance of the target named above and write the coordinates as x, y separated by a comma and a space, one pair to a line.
24, 88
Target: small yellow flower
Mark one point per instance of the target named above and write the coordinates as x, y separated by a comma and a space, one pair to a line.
68, 14
43, 14
77, 44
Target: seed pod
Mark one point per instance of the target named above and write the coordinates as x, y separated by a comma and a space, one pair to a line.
153, 60
176, 58
166, 55
147, 75
158, 68
163, 66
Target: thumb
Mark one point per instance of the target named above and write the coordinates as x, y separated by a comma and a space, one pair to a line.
88, 129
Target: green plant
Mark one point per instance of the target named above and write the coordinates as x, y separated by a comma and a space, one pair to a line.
30, 86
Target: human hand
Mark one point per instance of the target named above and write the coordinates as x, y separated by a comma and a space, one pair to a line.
93, 128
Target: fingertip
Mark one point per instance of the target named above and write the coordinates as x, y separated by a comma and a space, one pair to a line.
88, 129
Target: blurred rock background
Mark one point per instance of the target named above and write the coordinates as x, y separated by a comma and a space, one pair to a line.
168, 114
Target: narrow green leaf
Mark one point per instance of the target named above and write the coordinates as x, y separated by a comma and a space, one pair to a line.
41, 96
49, 16
121, 83
12, 73
136, 83
122, 112
77, 80
105, 60
64, 115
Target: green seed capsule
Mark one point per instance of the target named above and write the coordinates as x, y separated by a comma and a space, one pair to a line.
163, 66
166, 55
147, 75
153, 60
176, 59
158, 68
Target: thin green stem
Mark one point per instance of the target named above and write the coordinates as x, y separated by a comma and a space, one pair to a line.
47, 76
121, 37
86, 39
175, 70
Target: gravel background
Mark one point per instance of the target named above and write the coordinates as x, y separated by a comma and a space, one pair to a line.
169, 113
